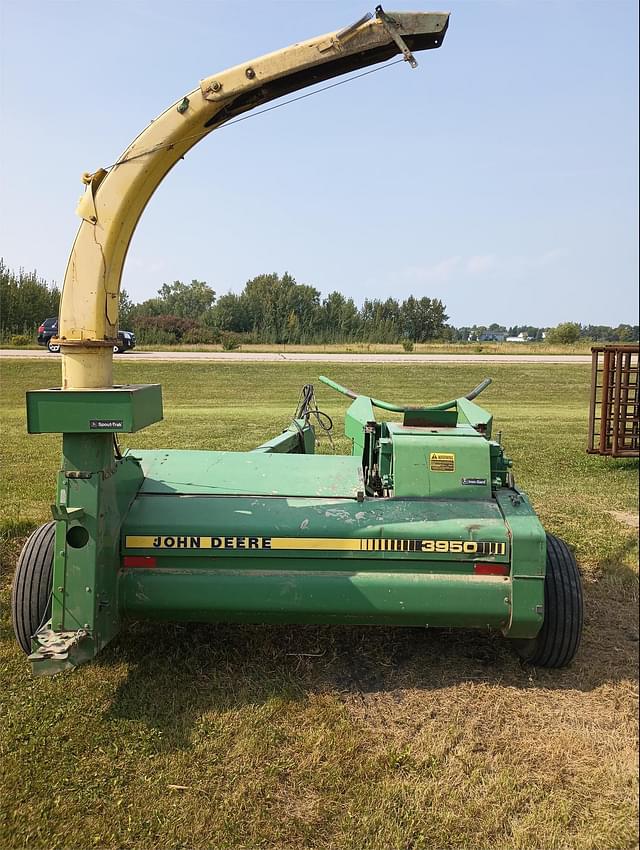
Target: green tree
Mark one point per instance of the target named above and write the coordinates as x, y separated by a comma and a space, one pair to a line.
432, 318
625, 333
186, 300
229, 314
422, 319
150, 307
381, 320
564, 334
270, 300
339, 319
126, 309
25, 301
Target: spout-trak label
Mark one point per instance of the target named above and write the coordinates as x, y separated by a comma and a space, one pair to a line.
322, 544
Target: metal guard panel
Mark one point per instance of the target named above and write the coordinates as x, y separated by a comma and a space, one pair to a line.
292, 596
250, 473
332, 529
442, 465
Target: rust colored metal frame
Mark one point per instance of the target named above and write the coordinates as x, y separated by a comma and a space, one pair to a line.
614, 412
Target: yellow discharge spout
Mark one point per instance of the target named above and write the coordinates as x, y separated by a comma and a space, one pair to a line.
115, 199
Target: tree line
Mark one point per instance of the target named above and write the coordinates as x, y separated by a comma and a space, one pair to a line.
25, 300
274, 309
564, 333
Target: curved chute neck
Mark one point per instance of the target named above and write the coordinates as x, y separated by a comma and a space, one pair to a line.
115, 199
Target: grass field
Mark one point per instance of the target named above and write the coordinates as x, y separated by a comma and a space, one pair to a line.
313, 737
396, 348
582, 347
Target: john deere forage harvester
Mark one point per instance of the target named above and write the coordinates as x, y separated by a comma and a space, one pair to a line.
421, 525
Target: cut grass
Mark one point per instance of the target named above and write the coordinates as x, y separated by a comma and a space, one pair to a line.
290, 737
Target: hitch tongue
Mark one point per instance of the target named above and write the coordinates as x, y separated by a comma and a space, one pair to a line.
391, 26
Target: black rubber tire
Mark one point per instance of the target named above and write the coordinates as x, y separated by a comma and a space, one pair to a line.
559, 638
33, 584
53, 347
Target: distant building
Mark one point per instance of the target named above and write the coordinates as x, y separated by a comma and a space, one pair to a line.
522, 337
492, 336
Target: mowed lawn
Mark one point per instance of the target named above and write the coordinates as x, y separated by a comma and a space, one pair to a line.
310, 737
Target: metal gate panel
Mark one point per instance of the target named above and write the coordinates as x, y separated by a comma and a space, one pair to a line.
614, 414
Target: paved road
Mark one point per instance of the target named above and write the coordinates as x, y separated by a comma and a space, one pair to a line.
307, 357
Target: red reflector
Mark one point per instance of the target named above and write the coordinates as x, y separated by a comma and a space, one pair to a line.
491, 569
41, 329
138, 561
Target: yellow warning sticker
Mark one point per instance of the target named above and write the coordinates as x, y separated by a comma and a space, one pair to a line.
442, 462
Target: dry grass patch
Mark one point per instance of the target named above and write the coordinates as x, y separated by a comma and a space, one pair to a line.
581, 347
627, 518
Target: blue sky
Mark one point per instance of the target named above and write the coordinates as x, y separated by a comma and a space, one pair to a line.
500, 176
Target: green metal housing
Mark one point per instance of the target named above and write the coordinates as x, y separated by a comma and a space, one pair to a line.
420, 525
126, 408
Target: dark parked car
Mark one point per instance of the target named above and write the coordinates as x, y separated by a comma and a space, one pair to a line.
49, 329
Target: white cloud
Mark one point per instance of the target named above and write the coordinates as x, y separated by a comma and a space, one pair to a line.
481, 263
477, 265
440, 272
